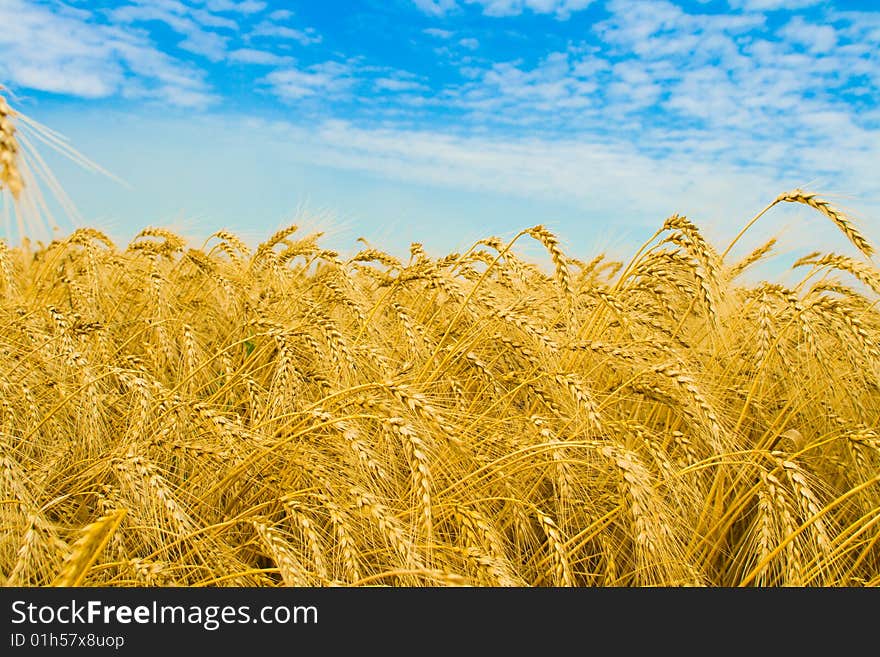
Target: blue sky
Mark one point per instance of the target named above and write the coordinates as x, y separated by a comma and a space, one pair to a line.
444, 121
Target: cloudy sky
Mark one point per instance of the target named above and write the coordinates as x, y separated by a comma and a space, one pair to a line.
444, 121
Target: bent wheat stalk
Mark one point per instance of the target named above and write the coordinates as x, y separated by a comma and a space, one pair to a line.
809, 198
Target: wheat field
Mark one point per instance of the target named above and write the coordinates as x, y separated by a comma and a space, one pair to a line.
223, 415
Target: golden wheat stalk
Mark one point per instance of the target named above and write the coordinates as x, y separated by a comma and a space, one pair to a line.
839, 218
10, 176
87, 549
812, 200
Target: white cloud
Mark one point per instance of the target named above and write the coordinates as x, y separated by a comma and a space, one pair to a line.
329, 79
609, 177
560, 8
77, 78
815, 38
262, 57
397, 85
772, 5
511, 93
208, 44
80, 57
183, 20
208, 19
305, 37
438, 33
199, 26
245, 7
435, 7
469, 43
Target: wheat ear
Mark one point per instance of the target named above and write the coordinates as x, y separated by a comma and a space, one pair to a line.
10, 176
86, 550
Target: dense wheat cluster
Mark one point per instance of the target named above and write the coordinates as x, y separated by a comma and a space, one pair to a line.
286, 416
